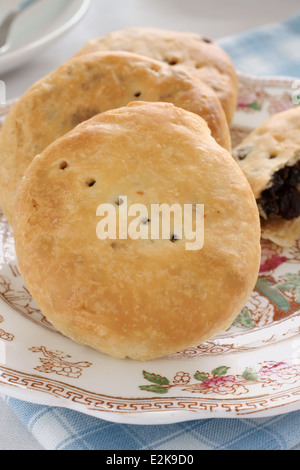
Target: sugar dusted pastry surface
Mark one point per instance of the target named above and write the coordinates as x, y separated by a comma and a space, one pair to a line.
140, 299
199, 55
84, 87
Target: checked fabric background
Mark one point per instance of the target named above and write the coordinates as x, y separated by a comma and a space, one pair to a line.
271, 50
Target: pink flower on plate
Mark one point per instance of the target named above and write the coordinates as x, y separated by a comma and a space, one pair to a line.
245, 98
225, 385
251, 100
272, 263
279, 373
280, 104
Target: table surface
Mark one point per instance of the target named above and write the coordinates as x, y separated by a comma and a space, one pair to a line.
214, 19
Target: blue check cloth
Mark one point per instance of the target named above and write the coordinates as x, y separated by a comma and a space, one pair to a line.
272, 50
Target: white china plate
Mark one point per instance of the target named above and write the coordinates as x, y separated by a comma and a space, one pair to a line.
37, 27
251, 370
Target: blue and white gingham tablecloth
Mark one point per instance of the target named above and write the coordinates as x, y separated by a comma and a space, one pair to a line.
273, 50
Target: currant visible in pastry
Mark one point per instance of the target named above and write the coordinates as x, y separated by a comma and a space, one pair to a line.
87, 86
270, 159
137, 298
193, 52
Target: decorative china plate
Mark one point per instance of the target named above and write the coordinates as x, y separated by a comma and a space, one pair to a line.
251, 370
37, 27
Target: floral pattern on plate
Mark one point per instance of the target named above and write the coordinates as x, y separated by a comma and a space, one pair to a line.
252, 369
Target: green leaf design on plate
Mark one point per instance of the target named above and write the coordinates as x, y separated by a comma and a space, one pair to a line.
293, 277
250, 374
286, 286
244, 319
156, 379
273, 294
256, 106
292, 284
201, 376
154, 389
220, 371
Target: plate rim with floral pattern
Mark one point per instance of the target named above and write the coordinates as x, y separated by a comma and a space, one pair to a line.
251, 370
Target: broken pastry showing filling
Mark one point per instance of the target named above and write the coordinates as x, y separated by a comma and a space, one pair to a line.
282, 199
270, 158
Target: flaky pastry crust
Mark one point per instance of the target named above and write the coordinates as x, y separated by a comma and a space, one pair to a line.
197, 54
140, 299
84, 87
272, 148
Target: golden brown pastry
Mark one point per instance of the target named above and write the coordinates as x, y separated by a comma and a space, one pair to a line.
84, 87
147, 297
270, 159
197, 54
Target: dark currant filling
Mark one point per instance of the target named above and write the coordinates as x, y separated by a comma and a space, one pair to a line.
283, 198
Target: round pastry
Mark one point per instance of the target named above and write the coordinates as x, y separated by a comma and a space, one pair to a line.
270, 159
84, 87
137, 297
199, 55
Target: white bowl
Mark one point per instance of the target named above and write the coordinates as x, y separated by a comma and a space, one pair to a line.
37, 27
